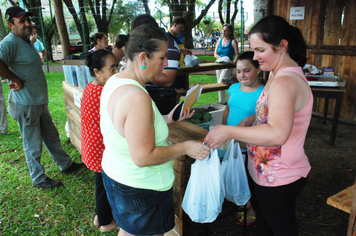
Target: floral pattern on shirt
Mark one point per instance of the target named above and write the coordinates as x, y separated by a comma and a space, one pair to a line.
265, 159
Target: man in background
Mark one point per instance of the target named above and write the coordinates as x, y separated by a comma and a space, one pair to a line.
38, 44
3, 115
175, 32
28, 99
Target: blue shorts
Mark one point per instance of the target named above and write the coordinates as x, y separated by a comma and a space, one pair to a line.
140, 211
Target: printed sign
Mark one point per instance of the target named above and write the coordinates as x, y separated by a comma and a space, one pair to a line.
297, 13
77, 98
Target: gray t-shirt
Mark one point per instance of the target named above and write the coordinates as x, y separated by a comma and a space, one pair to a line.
23, 60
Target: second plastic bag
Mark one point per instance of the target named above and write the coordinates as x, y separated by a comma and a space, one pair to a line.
234, 175
205, 192
191, 60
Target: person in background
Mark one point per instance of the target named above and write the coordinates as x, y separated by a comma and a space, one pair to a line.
197, 40
38, 44
241, 104
227, 46
137, 162
4, 124
164, 85
102, 65
277, 164
119, 47
28, 99
100, 41
175, 32
119, 50
168, 76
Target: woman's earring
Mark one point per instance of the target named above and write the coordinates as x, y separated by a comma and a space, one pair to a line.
144, 66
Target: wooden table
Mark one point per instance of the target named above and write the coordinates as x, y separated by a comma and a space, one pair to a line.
179, 132
185, 71
346, 201
333, 93
342, 200
322, 92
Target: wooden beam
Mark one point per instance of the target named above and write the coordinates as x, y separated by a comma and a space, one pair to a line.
332, 50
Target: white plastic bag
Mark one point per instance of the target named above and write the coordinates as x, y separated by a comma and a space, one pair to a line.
224, 59
205, 192
191, 60
234, 175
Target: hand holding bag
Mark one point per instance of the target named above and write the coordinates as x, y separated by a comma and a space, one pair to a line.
205, 191
234, 175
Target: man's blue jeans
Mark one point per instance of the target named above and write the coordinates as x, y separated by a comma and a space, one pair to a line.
36, 126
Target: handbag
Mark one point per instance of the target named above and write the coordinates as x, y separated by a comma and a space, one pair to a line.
205, 191
234, 175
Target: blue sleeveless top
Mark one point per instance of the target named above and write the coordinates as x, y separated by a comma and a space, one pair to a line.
227, 50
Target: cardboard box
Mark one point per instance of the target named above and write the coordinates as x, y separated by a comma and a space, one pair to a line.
329, 71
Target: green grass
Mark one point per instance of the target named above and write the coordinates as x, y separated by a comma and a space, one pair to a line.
206, 58
69, 210
205, 98
53, 63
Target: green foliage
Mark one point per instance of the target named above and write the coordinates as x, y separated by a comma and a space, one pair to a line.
200, 116
90, 22
207, 24
122, 17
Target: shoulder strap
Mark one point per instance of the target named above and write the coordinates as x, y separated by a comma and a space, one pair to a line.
119, 98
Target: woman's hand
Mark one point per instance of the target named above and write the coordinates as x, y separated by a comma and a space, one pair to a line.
197, 150
169, 118
186, 114
248, 121
216, 137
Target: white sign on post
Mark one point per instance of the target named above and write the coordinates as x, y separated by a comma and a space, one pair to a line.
297, 13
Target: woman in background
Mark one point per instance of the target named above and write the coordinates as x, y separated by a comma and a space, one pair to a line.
100, 41
227, 46
102, 65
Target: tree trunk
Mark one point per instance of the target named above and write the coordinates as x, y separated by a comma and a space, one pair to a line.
48, 44
260, 10
62, 28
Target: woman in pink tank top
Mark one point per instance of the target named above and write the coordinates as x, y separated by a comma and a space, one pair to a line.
278, 166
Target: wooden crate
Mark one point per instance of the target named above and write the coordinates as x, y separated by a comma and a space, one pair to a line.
72, 93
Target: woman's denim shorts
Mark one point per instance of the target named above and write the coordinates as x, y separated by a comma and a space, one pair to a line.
140, 211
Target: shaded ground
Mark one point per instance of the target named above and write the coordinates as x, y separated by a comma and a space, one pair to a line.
333, 170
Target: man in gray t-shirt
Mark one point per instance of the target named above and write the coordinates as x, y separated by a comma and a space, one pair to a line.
28, 99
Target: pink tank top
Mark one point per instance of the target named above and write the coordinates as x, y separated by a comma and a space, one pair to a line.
281, 165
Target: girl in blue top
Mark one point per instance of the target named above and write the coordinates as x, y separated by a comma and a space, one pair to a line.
227, 46
241, 104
